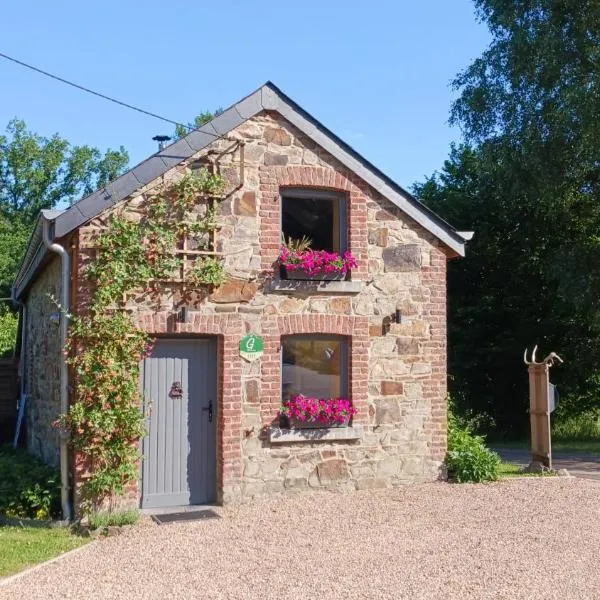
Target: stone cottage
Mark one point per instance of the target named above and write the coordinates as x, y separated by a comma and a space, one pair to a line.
377, 336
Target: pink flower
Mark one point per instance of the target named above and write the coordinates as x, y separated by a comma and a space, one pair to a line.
318, 410
314, 262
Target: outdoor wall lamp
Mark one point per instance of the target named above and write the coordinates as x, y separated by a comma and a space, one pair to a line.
183, 315
54, 318
397, 316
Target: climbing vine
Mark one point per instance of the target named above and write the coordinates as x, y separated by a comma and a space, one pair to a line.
105, 346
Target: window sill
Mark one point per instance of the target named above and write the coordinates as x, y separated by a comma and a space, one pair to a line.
332, 434
316, 287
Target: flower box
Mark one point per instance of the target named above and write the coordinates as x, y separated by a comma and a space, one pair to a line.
305, 412
298, 424
318, 265
299, 275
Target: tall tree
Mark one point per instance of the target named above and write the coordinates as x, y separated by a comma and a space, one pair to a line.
527, 181
38, 173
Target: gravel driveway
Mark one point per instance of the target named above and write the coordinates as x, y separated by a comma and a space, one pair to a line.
534, 538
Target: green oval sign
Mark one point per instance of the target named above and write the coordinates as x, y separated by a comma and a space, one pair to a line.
251, 347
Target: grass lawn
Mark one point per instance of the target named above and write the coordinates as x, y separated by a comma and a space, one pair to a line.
118, 518
23, 547
590, 446
573, 434
584, 446
508, 469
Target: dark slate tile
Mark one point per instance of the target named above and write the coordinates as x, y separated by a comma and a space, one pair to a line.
201, 138
173, 154
227, 121
270, 98
123, 186
250, 106
91, 205
147, 171
171, 161
302, 123
68, 221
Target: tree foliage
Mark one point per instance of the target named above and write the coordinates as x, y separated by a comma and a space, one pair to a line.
8, 332
527, 181
202, 119
38, 173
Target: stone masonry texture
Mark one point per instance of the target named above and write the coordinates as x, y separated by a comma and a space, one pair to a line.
42, 364
397, 369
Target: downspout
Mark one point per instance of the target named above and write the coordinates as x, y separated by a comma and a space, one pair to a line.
23, 322
65, 305
21, 370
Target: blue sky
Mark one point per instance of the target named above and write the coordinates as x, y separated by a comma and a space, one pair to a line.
376, 73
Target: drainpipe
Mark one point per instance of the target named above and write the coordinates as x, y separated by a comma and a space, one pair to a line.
21, 369
65, 305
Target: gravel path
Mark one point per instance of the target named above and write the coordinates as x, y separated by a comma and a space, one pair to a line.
534, 538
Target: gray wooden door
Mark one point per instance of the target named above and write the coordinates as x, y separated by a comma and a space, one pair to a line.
179, 390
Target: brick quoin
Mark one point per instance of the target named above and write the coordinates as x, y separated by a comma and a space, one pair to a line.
355, 328
272, 179
435, 353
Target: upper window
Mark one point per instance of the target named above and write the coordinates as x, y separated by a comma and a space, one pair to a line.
317, 215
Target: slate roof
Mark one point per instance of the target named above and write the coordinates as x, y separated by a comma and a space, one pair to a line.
267, 97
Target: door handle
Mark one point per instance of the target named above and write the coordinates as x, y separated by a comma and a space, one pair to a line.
209, 408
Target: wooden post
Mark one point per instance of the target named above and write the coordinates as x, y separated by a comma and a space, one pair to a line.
539, 407
539, 414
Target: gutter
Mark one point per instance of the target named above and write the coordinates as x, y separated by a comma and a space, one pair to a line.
65, 305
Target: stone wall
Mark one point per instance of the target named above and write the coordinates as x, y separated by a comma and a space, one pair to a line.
42, 364
397, 369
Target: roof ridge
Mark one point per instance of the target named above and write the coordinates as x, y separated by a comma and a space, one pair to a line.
266, 97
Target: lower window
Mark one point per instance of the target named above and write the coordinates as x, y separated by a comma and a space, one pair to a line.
314, 365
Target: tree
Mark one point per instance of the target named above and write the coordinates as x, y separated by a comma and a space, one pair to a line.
8, 332
202, 119
38, 173
527, 181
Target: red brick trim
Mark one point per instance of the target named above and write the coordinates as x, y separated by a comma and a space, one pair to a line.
357, 330
433, 277
303, 176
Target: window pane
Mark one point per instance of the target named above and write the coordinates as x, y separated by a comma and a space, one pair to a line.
315, 218
314, 366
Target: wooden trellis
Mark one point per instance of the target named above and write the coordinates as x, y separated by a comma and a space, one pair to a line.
190, 255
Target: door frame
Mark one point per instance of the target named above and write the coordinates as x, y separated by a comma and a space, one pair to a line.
216, 342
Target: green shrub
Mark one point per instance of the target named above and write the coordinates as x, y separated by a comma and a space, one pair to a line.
468, 458
28, 488
98, 520
584, 427
8, 332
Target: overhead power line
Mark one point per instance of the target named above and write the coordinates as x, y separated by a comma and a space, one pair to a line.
103, 96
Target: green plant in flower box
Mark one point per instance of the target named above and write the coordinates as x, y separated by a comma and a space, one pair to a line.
208, 271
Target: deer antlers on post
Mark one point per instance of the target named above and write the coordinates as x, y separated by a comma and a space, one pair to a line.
532, 361
549, 360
